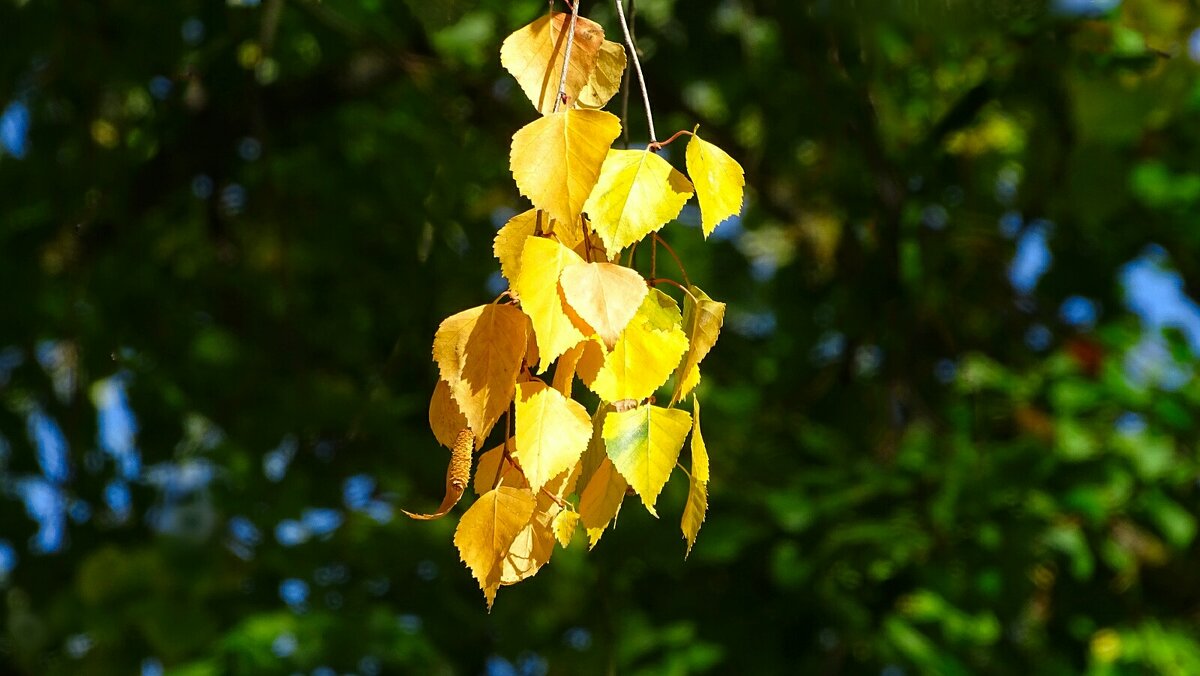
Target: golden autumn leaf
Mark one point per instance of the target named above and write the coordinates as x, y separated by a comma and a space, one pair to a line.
697, 501
693, 512
564, 372
552, 432
510, 241
479, 352
600, 500
644, 444
542, 262
605, 295
647, 352
487, 530
458, 475
605, 80
591, 361
637, 193
534, 545
564, 526
719, 182
445, 418
489, 463
702, 319
595, 453
534, 55
556, 160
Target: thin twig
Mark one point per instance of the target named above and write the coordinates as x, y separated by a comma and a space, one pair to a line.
674, 255
503, 293
655, 280
555, 498
587, 240
637, 65
654, 257
659, 145
632, 250
561, 97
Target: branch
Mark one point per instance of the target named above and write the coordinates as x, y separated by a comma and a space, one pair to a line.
562, 80
637, 65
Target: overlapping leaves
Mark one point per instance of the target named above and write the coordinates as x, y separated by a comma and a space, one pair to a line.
575, 312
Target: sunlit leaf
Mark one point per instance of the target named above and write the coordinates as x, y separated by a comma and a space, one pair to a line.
638, 193
552, 432
510, 241
605, 295
719, 182
479, 353
556, 159
489, 463
600, 500
697, 501
702, 319
605, 79
648, 351
445, 418
644, 444
564, 526
534, 55
487, 530
542, 262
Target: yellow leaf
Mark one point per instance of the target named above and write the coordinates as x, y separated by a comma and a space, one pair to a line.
564, 373
605, 295
445, 418
542, 261
591, 361
699, 451
479, 352
531, 549
564, 526
556, 159
600, 500
487, 530
702, 319
595, 454
638, 193
552, 432
605, 80
534, 55
648, 351
487, 465
644, 444
510, 240
719, 182
458, 474
693, 512
697, 500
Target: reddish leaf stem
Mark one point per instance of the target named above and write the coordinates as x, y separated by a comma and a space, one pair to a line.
682, 270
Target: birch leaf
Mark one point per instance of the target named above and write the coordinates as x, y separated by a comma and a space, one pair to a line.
552, 432
564, 526
487, 464
534, 55
556, 159
479, 352
644, 444
445, 418
719, 181
510, 241
648, 351
605, 80
542, 262
697, 501
605, 295
702, 319
487, 530
638, 193
600, 500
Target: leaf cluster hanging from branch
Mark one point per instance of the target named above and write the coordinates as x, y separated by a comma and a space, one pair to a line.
572, 305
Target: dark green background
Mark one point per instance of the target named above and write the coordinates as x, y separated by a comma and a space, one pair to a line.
924, 460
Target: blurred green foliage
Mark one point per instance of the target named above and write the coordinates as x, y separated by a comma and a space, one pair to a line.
947, 436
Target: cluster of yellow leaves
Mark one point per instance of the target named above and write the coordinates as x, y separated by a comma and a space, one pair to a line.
573, 306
